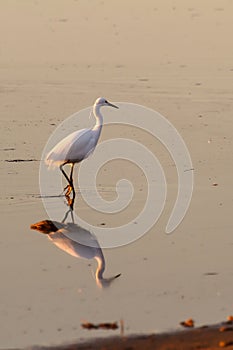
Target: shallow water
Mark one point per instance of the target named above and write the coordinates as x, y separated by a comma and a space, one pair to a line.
45, 293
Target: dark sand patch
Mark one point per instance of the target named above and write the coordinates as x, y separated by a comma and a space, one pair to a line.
206, 337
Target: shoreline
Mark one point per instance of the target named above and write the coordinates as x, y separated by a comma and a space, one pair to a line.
170, 57
204, 337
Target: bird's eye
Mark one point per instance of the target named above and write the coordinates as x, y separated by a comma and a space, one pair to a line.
105, 101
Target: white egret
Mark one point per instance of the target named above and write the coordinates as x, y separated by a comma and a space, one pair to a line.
78, 145
78, 242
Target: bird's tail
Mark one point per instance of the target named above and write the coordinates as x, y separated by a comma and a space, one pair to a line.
52, 162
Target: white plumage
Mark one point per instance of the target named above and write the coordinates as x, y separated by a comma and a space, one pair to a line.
78, 242
73, 148
77, 146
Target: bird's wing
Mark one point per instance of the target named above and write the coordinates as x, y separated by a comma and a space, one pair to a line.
83, 146
80, 235
73, 246
72, 148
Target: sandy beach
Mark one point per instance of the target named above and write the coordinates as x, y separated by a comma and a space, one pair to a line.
174, 57
206, 337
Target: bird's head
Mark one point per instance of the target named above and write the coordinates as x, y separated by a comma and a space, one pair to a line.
106, 282
45, 226
101, 101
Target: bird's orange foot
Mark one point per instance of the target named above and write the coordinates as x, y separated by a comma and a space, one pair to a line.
70, 202
68, 189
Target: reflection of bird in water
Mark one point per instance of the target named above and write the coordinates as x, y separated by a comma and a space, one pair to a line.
77, 146
77, 242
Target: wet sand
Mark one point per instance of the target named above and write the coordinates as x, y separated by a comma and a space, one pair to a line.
56, 58
206, 337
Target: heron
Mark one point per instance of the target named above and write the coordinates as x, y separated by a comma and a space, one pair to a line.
78, 242
77, 146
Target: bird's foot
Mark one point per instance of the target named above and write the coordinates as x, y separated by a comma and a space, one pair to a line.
70, 202
68, 190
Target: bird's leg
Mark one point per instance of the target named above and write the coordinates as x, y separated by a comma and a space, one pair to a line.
71, 181
71, 176
69, 188
66, 216
71, 201
70, 211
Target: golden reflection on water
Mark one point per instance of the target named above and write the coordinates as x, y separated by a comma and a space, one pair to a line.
78, 242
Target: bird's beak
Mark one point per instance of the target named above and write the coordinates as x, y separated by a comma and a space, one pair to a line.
112, 105
106, 282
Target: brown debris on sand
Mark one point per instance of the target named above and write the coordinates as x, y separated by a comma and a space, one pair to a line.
202, 338
188, 323
106, 325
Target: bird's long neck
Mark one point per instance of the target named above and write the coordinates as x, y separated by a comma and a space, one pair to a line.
100, 267
100, 280
98, 117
